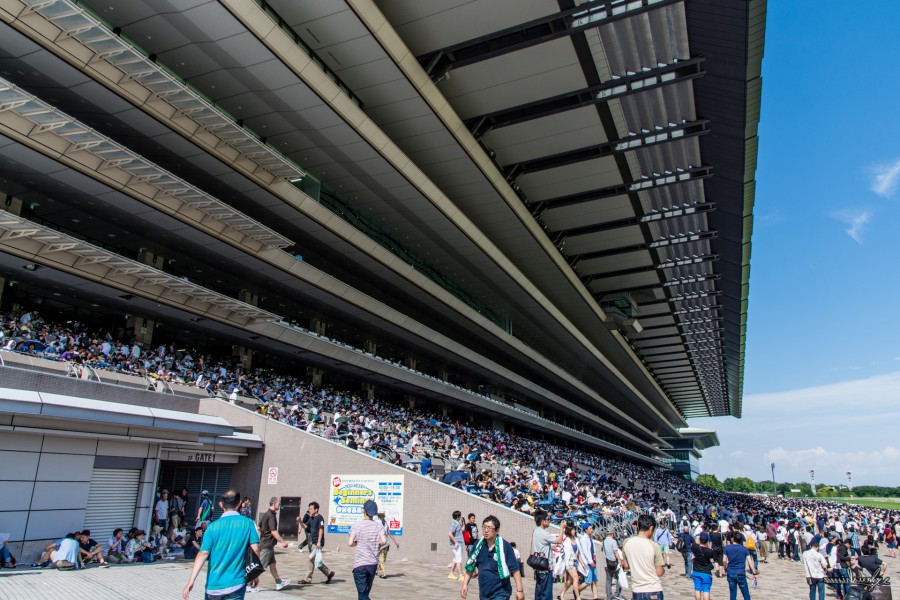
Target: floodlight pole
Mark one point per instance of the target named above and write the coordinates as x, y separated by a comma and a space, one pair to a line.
774, 486
849, 481
812, 480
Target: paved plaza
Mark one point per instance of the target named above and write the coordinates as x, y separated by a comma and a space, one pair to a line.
779, 580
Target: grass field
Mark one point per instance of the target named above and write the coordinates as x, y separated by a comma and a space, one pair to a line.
887, 503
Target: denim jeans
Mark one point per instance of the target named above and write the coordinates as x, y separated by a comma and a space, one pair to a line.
817, 584
647, 596
844, 576
543, 585
755, 556
363, 576
735, 581
6, 557
688, 563
237, 594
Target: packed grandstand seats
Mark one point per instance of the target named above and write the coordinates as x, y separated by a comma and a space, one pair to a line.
520, 472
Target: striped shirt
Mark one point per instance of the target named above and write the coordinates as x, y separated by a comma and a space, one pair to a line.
367, 534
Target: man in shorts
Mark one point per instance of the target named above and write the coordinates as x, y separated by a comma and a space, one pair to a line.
457, 545
586, 549
268, 537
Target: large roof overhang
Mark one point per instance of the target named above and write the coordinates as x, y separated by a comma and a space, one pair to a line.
586, 154
533, 322
632, 142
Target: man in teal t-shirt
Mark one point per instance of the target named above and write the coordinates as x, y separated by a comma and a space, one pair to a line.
225, 545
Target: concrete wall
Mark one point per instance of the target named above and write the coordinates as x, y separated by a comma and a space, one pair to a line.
127, 389
306, 463
45, 481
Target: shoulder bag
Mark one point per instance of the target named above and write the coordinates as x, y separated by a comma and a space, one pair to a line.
538, 562
252, 565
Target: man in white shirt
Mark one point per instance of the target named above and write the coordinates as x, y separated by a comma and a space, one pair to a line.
723, 527
589, 568
815, 566
161, 510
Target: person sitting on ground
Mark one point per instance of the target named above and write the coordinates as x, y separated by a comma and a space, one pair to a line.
89, 549
192, 543
7, 560
67, 557
179, 536
138, 549
159, 544
47, 557
115, 546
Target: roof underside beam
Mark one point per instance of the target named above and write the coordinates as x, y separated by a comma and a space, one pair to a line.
649, 268
655, 286
674, 213
681, 298
600, 93
684, 239
539, 31
659, 135
655, 181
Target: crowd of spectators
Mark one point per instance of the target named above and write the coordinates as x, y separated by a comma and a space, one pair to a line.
524, 473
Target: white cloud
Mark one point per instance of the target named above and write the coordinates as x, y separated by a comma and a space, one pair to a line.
887, 178
846, 426
856, 221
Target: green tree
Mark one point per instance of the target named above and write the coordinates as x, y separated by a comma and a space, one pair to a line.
739, 484
711, 481
825, 491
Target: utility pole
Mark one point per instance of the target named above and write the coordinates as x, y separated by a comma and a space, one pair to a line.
774, 487
812, 480
849, 482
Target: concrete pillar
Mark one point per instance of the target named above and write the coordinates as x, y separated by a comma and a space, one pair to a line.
13, 205
245, 355
410, 362
498, 424
248, 297
154, 260
2, 289
368, 391
317, 325
315, 375
370, 346
445, 410
142, 328
444, 374
410, 399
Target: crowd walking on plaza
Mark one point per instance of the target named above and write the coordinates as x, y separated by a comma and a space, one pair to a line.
642, 519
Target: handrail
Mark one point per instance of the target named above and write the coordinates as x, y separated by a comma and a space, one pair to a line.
94, 372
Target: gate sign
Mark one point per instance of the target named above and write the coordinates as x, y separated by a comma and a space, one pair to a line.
350, 492
273, 475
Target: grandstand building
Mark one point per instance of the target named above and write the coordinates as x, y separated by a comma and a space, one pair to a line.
535, 212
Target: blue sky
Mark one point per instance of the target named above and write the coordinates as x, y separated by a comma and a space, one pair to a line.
822, 349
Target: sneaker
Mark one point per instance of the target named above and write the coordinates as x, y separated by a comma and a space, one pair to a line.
253, 590
330, 577
452, 576
280, 586
104, 565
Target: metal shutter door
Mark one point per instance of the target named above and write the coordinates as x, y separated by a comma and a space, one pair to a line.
111, 501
